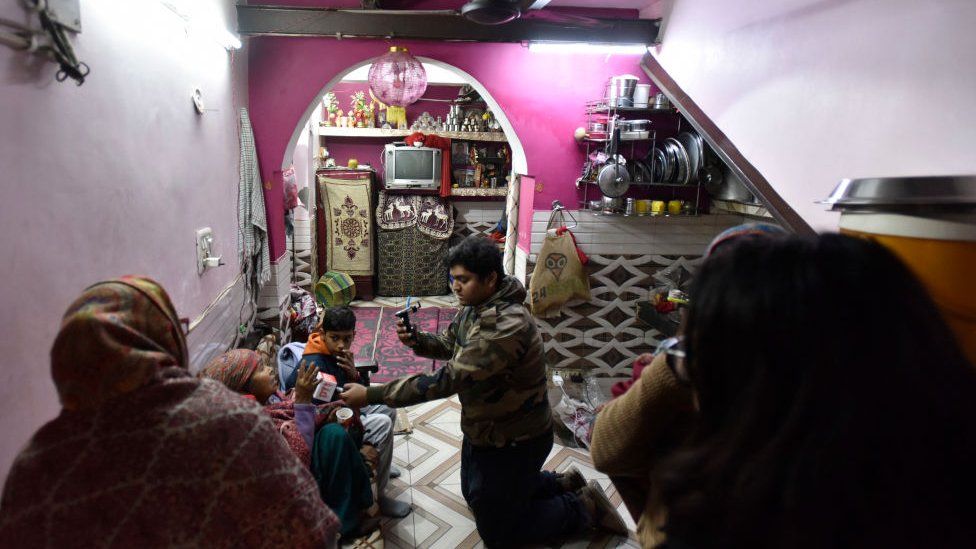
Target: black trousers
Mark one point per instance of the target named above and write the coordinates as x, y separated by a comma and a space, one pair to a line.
513, 500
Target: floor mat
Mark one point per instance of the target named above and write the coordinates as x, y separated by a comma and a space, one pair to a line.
376, 339
367, 327
394, 358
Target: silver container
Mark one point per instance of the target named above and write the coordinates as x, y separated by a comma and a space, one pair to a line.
629, 208
642, 95
620, 91
903, 193
661, 102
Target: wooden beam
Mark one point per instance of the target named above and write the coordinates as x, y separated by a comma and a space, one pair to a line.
725, 149
434, 25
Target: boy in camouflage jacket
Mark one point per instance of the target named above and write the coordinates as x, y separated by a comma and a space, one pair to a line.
497, 369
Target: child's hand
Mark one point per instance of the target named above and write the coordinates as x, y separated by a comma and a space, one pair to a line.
306, 382
348, 364
354, 395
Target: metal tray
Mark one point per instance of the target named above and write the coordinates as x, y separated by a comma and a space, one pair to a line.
903, 192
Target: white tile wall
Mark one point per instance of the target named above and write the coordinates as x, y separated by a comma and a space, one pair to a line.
216, 329
479, 212
618, 235
274, 295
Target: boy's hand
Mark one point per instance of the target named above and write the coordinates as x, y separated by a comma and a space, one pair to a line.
348, 364
354, 395
306, 382
405, 335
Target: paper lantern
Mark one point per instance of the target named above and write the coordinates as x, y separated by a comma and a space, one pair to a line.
397, 78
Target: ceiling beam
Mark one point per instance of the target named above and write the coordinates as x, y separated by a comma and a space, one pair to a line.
434, 25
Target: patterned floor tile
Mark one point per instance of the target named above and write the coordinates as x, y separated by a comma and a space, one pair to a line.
430, 459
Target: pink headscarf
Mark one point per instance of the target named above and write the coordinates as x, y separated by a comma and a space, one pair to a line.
145, 455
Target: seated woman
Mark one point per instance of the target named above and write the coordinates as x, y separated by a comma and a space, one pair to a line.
331, 453
145, 455
835, 409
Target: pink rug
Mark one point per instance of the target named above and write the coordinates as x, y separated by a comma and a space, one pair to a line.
376, 339
367, 320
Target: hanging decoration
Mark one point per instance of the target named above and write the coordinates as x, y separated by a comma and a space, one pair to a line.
397, 78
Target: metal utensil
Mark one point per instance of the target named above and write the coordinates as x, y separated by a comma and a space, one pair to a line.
683, 175
711, 177
613, 179
902, 192
695, 156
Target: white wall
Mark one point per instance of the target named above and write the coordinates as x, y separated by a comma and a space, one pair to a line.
110, 178
812, 91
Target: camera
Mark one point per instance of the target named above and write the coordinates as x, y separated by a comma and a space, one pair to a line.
404, 315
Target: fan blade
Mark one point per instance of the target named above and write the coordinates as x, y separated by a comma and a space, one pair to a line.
565, 19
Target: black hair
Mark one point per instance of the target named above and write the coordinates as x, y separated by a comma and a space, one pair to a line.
338, 319
478, 254
836, 408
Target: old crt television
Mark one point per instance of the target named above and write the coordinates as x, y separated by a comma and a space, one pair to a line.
407, 167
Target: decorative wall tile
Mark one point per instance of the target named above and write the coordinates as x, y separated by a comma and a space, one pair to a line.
604, 333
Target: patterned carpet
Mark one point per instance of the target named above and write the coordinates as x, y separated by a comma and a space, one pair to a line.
430, 458
376, 339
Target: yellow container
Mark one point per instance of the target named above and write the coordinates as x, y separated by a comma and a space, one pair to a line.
674, 207
941, 251
643, 207
657, 207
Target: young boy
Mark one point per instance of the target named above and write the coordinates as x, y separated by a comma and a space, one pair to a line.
328, 348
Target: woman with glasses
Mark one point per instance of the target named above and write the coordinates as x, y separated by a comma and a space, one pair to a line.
653, 412
834, 407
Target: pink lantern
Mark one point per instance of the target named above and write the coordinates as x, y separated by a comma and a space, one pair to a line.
397, 78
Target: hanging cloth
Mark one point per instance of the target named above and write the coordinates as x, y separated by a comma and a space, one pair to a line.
436, 217
252, 224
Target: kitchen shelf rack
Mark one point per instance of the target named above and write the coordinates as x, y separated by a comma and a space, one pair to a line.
381, 133
600, 107
600, 111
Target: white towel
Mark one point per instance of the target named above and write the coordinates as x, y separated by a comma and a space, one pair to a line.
252, 237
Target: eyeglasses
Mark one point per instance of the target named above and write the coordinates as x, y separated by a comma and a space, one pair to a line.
676, 357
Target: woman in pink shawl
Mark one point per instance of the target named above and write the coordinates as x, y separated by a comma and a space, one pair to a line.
145, 455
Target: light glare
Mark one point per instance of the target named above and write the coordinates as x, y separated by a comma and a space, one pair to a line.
585, 47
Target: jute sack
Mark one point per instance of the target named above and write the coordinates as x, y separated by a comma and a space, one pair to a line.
558, 276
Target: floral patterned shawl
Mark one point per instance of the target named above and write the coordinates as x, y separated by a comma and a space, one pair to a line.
145, 455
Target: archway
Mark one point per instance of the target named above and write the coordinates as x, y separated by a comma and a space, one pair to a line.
519, 161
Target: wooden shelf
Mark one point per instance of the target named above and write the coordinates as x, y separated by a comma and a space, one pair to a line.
480, 192
380, 133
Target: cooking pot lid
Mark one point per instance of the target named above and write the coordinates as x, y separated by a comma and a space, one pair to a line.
903, 192
613, 180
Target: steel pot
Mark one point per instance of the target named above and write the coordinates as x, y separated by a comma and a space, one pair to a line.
620, 91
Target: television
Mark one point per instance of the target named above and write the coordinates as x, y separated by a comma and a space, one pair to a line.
407, 167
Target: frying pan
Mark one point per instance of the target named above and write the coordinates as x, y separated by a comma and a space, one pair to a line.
613, 179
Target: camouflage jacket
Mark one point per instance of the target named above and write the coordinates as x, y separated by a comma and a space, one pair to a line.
497, 368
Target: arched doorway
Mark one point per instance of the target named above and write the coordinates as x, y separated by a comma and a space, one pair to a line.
303, 133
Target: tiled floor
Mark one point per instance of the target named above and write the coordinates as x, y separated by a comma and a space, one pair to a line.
425, 301
430, 459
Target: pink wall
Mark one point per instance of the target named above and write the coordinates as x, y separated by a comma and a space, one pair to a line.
815, 91
542, 94
106, 179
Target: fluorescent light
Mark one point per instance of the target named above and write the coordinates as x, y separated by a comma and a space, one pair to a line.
585, 47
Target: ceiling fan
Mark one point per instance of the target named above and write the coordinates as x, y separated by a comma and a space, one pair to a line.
497, 12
